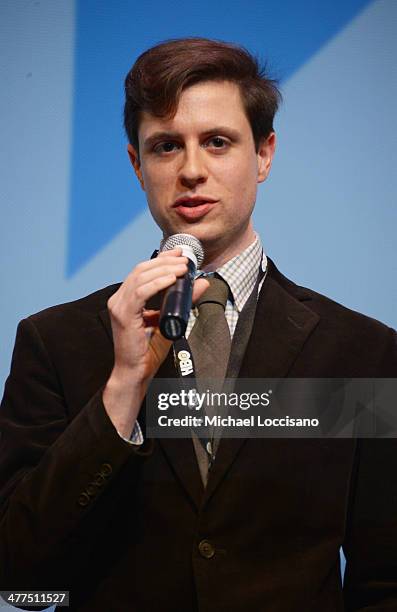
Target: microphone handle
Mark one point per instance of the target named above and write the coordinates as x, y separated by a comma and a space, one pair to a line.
177, 302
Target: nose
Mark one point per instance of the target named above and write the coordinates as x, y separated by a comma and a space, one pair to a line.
193, 170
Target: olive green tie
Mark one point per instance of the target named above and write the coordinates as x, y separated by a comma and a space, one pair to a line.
210, 344
209, 339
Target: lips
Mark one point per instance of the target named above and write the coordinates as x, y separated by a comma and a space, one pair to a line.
192, 201
194, 208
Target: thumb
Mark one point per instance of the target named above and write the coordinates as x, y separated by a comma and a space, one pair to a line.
200, 286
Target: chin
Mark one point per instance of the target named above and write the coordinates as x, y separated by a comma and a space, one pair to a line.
198, 232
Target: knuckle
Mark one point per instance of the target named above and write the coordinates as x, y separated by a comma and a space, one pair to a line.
110, 303
138, 269
159, 282
139, 292
116, 314
137, 280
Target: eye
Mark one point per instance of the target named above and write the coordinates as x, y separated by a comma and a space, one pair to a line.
217, 142
165, 147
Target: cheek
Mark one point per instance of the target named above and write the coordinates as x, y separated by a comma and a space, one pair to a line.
241, 184
157, 186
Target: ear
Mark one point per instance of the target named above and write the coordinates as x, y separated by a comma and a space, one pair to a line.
265, 156
134, 159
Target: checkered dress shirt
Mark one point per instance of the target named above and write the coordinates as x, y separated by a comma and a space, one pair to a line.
240, 274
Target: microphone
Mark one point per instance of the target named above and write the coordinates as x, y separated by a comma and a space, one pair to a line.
177, 301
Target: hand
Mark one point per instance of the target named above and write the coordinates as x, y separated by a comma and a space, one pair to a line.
139, 346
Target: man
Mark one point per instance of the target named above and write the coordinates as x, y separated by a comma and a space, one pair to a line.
92, 505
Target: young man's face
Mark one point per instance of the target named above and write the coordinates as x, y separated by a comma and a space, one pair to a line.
200, 169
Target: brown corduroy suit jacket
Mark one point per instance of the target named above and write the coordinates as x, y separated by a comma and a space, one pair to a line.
122, 527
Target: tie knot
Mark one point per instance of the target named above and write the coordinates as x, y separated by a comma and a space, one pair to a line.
216, 293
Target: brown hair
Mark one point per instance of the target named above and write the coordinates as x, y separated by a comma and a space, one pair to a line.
158, 77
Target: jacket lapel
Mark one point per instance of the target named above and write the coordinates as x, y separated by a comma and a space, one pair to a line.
179, 452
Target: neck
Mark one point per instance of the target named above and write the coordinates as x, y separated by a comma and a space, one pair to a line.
216, 258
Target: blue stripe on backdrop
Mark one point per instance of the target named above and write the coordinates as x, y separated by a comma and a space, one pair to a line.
110, 35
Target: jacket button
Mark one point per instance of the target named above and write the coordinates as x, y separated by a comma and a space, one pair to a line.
206, 549
106, 469
99, 479
91, 490
84, 499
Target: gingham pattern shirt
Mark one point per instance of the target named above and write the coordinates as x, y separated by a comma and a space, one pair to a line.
240, 274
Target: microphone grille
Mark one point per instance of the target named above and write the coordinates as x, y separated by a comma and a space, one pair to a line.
184, 240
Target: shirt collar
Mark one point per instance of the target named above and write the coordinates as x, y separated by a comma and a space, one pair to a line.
241, 272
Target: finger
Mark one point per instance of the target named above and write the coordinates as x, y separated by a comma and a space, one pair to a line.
159, 343
179, 268
175, 251
148, 290
200, 286
154, 263
151, 318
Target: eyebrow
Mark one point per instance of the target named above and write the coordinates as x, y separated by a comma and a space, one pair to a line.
170, 135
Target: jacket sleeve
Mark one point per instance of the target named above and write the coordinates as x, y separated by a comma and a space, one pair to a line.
57, 477
370, 546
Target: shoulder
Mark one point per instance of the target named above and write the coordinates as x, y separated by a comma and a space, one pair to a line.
85, 307
329, 310
348, 335
72, 323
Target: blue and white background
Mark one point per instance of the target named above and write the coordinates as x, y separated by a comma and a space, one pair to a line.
73, 218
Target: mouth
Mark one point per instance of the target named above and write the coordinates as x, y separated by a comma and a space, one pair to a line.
193, 208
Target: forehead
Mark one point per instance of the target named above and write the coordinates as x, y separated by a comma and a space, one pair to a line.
201, 106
